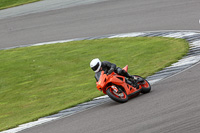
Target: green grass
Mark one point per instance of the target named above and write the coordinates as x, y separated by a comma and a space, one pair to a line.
41, 80
12, 3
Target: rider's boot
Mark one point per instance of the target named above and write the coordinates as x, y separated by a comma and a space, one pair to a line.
126, 74
134, 83
140, 80
131, 78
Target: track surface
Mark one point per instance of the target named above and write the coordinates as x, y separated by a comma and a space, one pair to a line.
172, 106
109, 17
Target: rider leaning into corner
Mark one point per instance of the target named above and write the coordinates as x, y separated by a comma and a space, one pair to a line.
97, 66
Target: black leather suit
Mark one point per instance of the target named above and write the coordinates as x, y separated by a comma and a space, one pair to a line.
108, 68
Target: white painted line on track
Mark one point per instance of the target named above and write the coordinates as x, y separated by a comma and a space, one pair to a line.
195, 44
181, 34
127, 35
44, 43
102, 97
188, 60
154, 81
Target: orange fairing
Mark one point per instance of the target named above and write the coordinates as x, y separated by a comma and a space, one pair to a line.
106, 80
101, 84
117, 88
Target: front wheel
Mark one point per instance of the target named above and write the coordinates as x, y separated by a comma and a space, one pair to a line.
118, 96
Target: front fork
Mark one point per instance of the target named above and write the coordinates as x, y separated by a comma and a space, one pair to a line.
115, 88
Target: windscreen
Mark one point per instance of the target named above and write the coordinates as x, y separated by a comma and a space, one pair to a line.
97, 75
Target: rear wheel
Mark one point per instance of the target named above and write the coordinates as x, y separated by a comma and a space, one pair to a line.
146, 87
118, 96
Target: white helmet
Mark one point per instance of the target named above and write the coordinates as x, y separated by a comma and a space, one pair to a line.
95, 64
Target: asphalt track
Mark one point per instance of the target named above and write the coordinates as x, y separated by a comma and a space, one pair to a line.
172, 106
102, 18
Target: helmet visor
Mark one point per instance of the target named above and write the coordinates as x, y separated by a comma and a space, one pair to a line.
94, 68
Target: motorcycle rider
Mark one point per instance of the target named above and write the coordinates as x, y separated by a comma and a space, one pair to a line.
96, 65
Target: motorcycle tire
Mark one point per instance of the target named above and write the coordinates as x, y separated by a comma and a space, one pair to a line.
146, 87
115, 96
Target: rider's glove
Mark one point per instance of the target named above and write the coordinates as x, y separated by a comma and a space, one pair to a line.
110, 71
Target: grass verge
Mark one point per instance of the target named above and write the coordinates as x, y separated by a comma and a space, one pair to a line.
12, 3
41, 80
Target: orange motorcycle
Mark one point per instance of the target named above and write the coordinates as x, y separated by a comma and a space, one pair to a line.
118, 87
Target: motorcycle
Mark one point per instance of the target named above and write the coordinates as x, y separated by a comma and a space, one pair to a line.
118, 87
